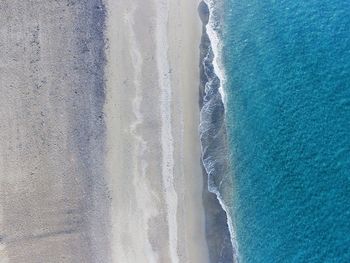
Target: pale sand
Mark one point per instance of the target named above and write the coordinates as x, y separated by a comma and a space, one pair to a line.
152, 116
53, 206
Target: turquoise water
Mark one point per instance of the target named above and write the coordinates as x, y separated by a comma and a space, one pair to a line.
287, 66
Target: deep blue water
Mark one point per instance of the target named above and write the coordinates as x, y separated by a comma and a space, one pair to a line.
287, 65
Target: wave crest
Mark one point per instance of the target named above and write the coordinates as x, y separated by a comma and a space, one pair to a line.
212, 128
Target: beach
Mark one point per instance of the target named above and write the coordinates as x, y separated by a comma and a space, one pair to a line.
100, 151
174, 131
152, 113
54, 205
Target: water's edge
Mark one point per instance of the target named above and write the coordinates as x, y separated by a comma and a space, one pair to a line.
213, 138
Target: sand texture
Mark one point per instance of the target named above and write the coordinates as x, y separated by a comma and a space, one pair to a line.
99, 148
152, 129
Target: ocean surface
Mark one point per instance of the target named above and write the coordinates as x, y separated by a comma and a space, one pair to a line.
283, 72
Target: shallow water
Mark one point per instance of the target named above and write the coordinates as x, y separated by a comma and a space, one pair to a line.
287, 70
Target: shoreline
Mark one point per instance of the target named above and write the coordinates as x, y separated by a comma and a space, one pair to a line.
152, 115
214, 143
111, 170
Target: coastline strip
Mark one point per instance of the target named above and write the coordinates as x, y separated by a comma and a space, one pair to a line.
214, 135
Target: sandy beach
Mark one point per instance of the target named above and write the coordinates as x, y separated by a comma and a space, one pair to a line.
54, 205
152, 113
99, 147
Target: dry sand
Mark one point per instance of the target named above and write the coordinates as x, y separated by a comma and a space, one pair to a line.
100, 164
152, 113
53, 201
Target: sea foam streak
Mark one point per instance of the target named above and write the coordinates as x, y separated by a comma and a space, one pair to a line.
216, 46
213, 160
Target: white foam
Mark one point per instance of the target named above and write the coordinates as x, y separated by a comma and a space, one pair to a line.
216, 46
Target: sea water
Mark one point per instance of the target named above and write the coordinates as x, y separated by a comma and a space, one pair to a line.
285, 73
